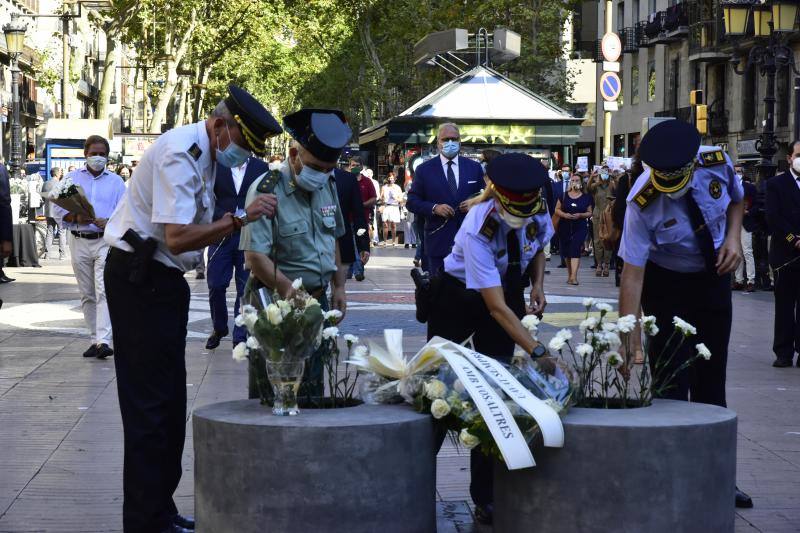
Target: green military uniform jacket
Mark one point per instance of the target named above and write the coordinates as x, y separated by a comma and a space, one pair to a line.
301, 238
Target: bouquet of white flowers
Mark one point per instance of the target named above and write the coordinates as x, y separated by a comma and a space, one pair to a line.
71, 197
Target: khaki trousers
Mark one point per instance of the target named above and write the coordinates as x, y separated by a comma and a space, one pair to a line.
88, 262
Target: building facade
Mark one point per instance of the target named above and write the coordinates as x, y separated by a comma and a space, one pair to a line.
672, 47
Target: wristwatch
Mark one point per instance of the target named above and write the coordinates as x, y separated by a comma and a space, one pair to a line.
241, 216
539, 351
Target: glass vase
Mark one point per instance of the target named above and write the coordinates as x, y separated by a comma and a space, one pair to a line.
285, 377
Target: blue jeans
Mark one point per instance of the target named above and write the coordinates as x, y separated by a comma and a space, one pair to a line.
225, 259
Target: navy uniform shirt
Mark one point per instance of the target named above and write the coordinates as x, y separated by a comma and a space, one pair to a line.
480, 261
661, 230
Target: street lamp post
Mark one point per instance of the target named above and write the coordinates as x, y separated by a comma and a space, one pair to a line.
770, 20
15, 38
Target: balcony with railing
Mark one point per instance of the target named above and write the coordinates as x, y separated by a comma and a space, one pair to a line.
706, 33
598, 52
630, 39
642, 41
668, 26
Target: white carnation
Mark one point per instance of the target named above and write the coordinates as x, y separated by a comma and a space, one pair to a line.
649, 325
250, 320
239, 320
557, 343
588, 302
252, 343
605, 308
248, 309
435, 389
614, 359
311, 301
440, 409
530, 322
684, 327
609, 326
285, 307
274, 314
589, 324
584, 350
240, 352
330, 333
333, 314
296, 284
350, 339
360, 352
468, 439
626, 323
564, 334
703, 351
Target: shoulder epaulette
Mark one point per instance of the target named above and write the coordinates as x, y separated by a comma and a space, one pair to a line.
711, 158
646, 195
489, 227
543, 209
269, 181
195, 151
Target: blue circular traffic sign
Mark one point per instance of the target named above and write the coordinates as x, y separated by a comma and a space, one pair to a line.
610, 86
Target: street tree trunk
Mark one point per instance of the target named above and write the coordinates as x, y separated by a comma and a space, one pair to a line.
203, 73
182, 95
109, 76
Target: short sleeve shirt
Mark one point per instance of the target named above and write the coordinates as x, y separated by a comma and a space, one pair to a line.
481, 261
172, 184
302, 236
662, 231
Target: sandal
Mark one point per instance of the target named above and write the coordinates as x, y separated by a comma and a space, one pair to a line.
570, 282
605, 271
598, 272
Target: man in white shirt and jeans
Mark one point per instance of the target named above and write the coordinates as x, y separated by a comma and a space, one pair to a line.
104, 190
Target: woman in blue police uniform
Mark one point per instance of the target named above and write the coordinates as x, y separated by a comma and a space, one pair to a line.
680, 243
482, 289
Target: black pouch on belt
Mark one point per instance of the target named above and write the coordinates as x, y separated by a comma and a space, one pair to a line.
424, 293
143, 250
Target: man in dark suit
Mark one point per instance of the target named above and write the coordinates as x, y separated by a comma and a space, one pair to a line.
783, 219
439, 192
353, 213
5, 222
225, 258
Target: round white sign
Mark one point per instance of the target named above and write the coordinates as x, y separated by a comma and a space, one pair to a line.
611, 47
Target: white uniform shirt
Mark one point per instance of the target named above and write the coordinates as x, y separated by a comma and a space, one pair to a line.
173, 184
238, 176
445, 161
104, 191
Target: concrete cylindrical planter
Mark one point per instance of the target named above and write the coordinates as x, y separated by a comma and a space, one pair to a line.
669, 468
358, 469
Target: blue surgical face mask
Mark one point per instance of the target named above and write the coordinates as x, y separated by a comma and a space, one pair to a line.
310, 179
604, 176
450, 149
565, 174
233, 155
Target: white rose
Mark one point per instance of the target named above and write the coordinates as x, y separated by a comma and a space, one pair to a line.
285, 307
603, 307
614, 359
530, 321
239, 320
250, 320
557, 343
589, 324
296, 284
440, 409
684, 327
252, 343
274, 314
333, 314
435, 389
703, 351
459, 387
249, 310
468, 439
240, 352
584, 350
588, 302
626, 323
350, 339
330, 333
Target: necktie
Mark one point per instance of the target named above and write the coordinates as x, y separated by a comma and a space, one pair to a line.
451, 178
513, 279
701, 231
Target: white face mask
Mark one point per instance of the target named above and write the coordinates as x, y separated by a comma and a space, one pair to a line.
96, 162
796, 164
310, 179
677, 195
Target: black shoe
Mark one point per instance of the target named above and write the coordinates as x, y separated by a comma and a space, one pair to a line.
200, 275
546, 271
743, 501
175, 528
359, 277
91, 352
484, 514
213, 340
406, 246
103, 351
6, 279
186, 522
562, 266
782, 363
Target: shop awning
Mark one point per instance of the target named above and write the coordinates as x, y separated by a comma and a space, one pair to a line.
77, 128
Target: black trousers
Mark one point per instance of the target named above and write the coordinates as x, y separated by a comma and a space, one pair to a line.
456, 313
149, 323
787, 314
703, 300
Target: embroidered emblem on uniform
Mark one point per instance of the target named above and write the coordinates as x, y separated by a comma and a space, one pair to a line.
195, 151
715, 189
489, 227
714, 157
527, 248
268, 182
646, 195
790, 237
531, 230
328, 210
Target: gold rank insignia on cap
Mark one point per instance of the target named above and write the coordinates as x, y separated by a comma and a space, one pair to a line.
712, 158
646, 195
489, 227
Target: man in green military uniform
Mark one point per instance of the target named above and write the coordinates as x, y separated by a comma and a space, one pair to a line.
301, 241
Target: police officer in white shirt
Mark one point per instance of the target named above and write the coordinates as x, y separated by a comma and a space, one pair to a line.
88, 250
169, 207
